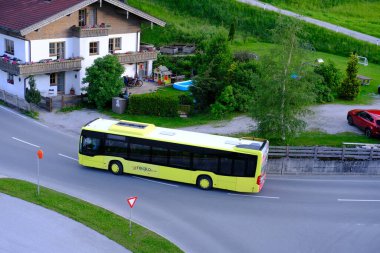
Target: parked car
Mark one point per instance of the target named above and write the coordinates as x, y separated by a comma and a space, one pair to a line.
367, 120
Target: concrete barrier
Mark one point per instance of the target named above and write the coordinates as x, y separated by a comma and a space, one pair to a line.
316, 166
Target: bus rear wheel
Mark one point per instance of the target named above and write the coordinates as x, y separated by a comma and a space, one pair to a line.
204, 182
116, 167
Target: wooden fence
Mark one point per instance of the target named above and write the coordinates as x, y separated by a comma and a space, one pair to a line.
71, 100
364, 152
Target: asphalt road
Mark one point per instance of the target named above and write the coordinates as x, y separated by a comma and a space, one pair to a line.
332, 27
291, 214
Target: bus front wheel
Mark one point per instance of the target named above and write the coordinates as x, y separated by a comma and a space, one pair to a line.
116, 167
204, 182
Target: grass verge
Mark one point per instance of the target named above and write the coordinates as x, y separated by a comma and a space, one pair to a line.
316, 138
99, 219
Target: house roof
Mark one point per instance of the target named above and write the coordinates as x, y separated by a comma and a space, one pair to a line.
25, 16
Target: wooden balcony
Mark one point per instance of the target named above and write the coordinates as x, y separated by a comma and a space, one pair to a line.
82, 32
41, 67
136, 57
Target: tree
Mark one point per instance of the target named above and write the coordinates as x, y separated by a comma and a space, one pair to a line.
330, 83
350, 87
280, 100
104, 80
213, 65
231, 33
224, 103
32, 95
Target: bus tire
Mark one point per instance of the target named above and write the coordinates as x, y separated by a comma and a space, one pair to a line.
116, 167
204, 182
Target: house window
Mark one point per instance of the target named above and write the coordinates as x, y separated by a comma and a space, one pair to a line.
53, 79
94, 48
82, 17
57, 49
114, 44
10, 79
9, 47
92, 17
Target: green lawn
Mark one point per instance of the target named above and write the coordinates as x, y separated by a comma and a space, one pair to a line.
358, 15
105, 222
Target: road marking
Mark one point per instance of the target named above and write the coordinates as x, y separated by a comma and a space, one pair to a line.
31, 144
253, 196
359, 200
67, 157
38, 123
153, 181
15, 113
24, 117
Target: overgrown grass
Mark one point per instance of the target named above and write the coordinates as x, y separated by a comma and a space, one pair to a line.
72, 108
31, 114
358, 15
105, 222
325, 139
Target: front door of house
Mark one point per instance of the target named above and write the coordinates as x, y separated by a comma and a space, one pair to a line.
61, 82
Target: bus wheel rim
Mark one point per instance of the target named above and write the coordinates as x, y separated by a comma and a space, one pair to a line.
204, 183
115, 168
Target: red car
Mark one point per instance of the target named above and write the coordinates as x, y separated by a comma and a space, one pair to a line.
367, 120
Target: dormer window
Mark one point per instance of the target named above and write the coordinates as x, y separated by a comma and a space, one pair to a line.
82, 17
9, 47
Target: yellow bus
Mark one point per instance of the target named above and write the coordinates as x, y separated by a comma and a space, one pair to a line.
206, 160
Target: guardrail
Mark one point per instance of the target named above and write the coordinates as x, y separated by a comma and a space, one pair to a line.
364, 152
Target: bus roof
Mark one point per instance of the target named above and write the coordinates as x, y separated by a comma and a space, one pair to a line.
150, 131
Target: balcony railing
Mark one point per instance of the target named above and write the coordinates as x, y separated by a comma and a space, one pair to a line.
84, 32
136, 57
17, 69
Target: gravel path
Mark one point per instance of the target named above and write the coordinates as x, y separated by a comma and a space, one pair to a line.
329, 118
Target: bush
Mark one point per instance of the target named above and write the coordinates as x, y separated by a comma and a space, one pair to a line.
104, 79
32, 95
156, 104
331, 80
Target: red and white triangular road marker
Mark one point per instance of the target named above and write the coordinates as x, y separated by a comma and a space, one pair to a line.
131, 201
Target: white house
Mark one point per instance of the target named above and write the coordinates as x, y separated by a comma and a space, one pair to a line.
56, 40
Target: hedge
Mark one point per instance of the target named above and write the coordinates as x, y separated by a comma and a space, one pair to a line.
156, 104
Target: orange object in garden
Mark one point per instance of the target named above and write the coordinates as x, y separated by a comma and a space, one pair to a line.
40, 154
165, 77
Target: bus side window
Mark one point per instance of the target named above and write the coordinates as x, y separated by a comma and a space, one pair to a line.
225, 166
240, 165
251, 168
205, 162
179, 158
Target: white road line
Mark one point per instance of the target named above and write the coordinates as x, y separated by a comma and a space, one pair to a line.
31, 144
359, 200
67, 157
15, 113
153, 181
38, 123
253, 196
22, 116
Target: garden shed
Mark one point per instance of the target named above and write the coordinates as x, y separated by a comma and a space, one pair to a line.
162, 75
